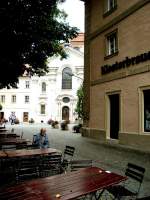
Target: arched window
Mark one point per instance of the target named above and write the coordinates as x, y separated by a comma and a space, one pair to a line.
43, 87
67, 78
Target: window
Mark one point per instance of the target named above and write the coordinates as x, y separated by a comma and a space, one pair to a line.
43, 109
13, 98
110, 6
43, 87
2, 99
66, 100
146, 94
67, 78
27, 84
26, 99
111, 43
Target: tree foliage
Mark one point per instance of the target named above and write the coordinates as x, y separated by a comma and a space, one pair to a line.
30, 32
79, 106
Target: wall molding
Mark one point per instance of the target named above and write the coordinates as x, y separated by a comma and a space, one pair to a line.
120, 75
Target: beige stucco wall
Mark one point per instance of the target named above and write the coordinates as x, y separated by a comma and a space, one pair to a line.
139, 141
133, 39
97, 11
129, 89
131, 19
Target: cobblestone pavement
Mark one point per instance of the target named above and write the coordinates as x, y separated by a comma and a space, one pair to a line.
110, 157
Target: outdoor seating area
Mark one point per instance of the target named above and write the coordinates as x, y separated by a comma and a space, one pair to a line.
24, 166
58, 174
71, 185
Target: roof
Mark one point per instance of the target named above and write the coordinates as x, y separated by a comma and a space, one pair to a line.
79, 38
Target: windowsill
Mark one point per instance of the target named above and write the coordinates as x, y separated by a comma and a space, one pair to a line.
109, 12
111, 55
147, 132
66, 89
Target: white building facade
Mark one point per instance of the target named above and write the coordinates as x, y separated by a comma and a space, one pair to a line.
52, 96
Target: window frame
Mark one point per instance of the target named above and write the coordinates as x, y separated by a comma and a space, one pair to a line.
42, 108
27, 100
2, 99
146, 107
108, 49
43, 88
66, 79
13, 99
109, 9
27, 84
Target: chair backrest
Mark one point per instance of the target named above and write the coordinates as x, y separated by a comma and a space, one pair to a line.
27, 168
11, 135
79, 164
136, 173
52, 160
8, 147
69, 150
51, 163
33, 139
21, 136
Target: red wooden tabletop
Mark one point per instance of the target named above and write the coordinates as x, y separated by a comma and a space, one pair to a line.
8, 141
3, 130
32, 152
10, 135
66, 186
2, 154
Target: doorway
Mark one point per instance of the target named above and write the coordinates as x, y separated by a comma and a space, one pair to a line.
114, 115
65, 113
25, 117
1, 115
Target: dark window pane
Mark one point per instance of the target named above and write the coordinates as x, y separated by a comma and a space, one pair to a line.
66, 99
67, 78
146, 110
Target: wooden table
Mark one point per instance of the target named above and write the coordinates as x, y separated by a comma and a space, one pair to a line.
3, 130
67, 186
12, 141
8, 135
2, 154
32, 152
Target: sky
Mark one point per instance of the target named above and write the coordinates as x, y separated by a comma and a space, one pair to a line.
75, 11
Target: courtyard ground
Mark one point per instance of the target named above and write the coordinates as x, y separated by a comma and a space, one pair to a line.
110, 157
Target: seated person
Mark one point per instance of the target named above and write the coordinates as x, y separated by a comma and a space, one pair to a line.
77, 128
41, 139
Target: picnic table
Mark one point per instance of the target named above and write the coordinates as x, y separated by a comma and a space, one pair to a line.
9, 141
32, 152
66, 186
3, 154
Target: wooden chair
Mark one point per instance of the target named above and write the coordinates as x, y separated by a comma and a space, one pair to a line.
67, 156
8, 147
21, 146
27, 168
79, 164
32, 146
11, 135
33, 139
50, 165
129, 188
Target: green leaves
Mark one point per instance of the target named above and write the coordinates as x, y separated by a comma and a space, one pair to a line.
79, 106
30, 32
